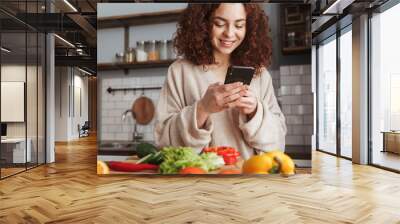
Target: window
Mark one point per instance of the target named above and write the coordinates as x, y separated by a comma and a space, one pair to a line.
385, 88
330, 133
346, 92
394, 102
327, 95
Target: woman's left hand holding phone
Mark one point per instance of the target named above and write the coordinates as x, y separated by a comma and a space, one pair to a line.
247, 103
217, 98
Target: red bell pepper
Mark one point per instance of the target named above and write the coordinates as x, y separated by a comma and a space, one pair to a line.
230, 160
229, 154
131, 167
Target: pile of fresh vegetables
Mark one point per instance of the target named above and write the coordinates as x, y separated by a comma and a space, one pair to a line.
177, 158
174, 160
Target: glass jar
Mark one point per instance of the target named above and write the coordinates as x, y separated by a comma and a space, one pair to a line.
171, 52
119, 57
291, 39
130, 55
152, 53
163, 49
141, 54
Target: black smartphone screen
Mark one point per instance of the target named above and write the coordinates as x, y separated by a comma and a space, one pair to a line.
239, 74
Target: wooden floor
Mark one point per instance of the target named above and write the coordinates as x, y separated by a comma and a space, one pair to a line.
10, 171
387, 159
69, 191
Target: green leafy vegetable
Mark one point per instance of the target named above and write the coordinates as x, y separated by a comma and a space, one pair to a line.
212, 160
177, 158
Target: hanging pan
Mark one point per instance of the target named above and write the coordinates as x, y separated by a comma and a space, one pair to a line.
143, 110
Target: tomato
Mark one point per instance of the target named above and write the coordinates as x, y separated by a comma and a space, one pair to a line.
228, 153
230, 160
232, 154
192, 170
210, 149
223, 150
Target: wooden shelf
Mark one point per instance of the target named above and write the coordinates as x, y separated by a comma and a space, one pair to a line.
136, 65
290, 50
138, 19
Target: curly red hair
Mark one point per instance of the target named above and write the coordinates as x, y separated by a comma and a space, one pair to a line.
192, 38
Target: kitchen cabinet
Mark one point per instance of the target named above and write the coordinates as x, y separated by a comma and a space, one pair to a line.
295, 28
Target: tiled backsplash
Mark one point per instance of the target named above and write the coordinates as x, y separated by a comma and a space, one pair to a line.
113, 105
294, 96
296, 101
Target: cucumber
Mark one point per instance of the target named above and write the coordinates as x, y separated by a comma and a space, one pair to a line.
157, 158
144, 149
145, 159
154, 158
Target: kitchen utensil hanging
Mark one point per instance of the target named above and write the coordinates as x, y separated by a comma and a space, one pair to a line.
143, 109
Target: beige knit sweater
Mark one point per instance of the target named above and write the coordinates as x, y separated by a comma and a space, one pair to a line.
176, 123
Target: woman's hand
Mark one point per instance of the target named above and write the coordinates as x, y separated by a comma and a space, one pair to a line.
247, 104
217, 98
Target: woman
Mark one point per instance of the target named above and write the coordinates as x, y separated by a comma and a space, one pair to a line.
195, 108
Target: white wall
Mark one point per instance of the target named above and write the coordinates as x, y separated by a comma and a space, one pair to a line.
67, 79
61, 103
12, 73
80, 118
33, 126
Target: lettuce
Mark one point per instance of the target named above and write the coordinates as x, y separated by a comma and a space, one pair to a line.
177, 158
212, 160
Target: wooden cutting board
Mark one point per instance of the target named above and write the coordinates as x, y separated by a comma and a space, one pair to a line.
143, 110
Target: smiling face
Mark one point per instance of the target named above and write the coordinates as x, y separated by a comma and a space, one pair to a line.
228, 28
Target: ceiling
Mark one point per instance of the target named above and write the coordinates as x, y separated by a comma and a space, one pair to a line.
72, 20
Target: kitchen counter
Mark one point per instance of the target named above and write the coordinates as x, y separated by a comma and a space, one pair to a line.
126, 151
118, 148
238, 165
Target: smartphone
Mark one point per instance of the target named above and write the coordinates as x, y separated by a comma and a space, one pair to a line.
239, 74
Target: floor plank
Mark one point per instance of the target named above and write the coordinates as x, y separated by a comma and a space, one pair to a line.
69, 191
